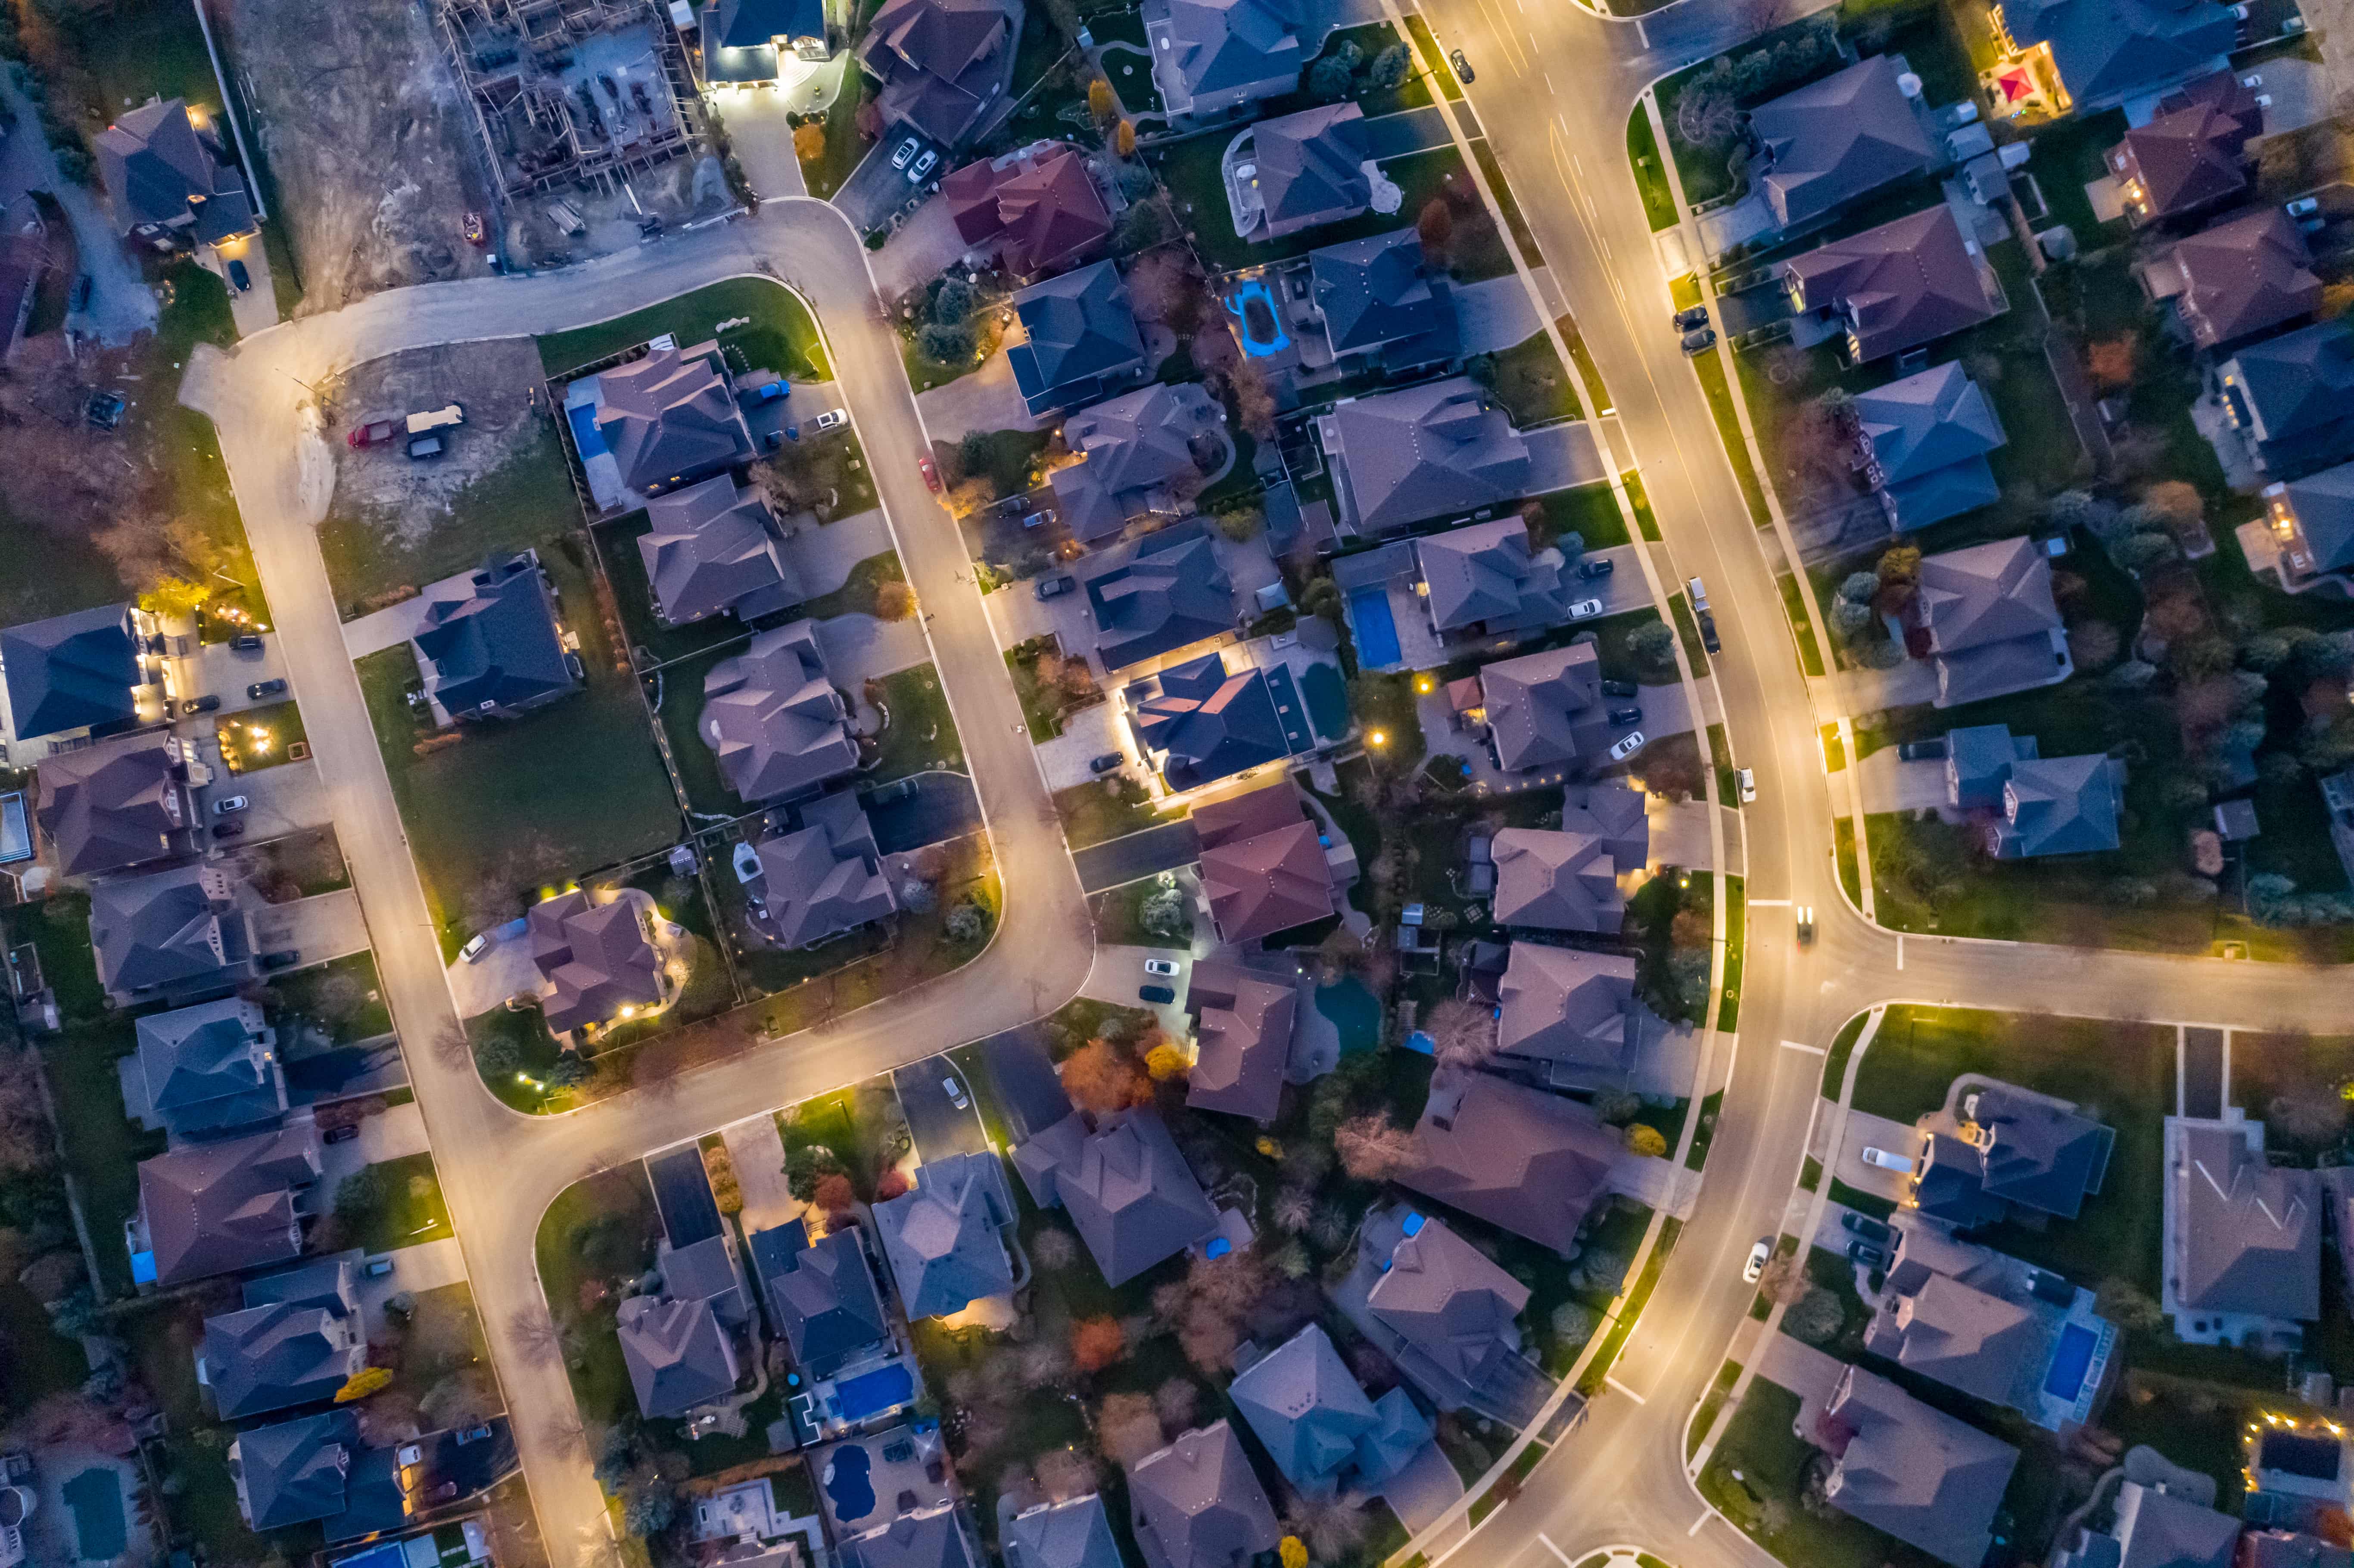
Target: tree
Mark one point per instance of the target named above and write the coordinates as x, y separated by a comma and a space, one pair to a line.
1321, 597
651, 1506
1162, 913
2128, 1306
1653, 645
2139, 553
892, 1183
1123, 139
1388, 69
1898, 563
945, 345
1816, 1317
1102, 1078
1574, 1324
1167, 1062
893, 601
719, 1168
1291, 1552
1053, 1248
1099, 100
1127, 1427
968, 922
833, 1194
808, 141
1463, 1033
1435, 225
1097, 1343
1644, 1139
1375, 1149
362, 1382
1848, 617
1334, 71
174, 595
569, 1071
1857, 587
498, 1056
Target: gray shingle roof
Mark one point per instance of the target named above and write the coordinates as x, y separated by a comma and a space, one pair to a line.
159, 171
295, 1470
210, 1208
1531, 1163
1128, 1191
711, 547
1074, 1533
209, 1068
1930, 434
1243, 1026
298, 1344
1917, 1473
2323, 504
1079, 336
2296, 395
1963, 1337
1831, 141
1230, 51
1453, 1309
2245, 275
112, 805
1310, 169
1380, 294
1306, 1407
2059, 805
2108, 50
670, 419
1263, 864
930, 1538
1567, 1006
1902, 284
1567, 880
825, 877
2042, 1156
495, 647
1134, 447
596, 956
1979, 759
943, 1239
1210, 724
69, 672
1486, 575
678, 1355
2193, 152
772, 718
1197, 1503
821, 1295
1170, 592
2159, 1529
1422, 452
1989, 614
175, 929
1546, 709
2244, 1234
944, 64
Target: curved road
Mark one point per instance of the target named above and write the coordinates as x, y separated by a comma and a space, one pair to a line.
1621, 1477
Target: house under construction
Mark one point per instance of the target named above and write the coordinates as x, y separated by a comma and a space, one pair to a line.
572, 92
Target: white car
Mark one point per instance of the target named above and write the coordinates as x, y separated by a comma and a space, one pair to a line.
233, 803
1585, 609
904, 151
832, 419
1747, 779
474, 951
922, 167
1159, 966
955, 1092
1757, 1257
1627, 747
1887, 1161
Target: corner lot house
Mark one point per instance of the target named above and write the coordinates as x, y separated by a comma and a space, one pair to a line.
1217, 57
216, 1208
2193, 154
666, 420
2059, 805
170, 185
2240, 277
497, 650
1924, 1478
1038, 207
90, 672
1892, 287
823, 878
1264, 869
711, 549
2242, 1236
1130, 1194
1922, 445
2091, 55
1302, 171
597, 960
679, 1354
121, 803
773, 719
1198, 1504
1835, 140
1400, 457
944, 64
1079, 340
1531, 1163
1445, 1315
1986, 617
2291, 399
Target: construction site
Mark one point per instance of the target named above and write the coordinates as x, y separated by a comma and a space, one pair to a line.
580, 105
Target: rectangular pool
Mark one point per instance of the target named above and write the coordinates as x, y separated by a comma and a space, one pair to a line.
869, 1394
1377, 639
584, 437
2070, 1361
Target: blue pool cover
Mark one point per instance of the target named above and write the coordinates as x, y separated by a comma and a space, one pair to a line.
584, 430
1377, 640
868, 1393
1239, 306
849, 1484
2070, 1361
95, 1500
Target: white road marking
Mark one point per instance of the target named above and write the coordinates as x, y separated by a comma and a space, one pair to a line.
1769, 903
1622, 1388
1900, 951
1810, 1050
1556, 1550
1703, 1518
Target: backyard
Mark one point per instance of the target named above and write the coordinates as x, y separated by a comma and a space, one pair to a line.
1757, 1478
1191, 170
780, 336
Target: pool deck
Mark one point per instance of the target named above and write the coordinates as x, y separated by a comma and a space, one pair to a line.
888, 1479
50, 1534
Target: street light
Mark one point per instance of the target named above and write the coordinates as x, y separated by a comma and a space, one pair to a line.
1378, 737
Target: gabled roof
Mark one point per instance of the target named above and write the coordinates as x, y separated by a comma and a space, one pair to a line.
2160, 1530
1263, 865
821, 1295
2298, 392
2059, 805
2107, 50
172, 930
69, 672
1546, 708
1986, 594
826, 878
200, 1069
669, 418
159, 173
1963, 1337
678, 1355
1243, 1025
711, 548
1562, 881
1074, 1533
1453, 1306
1305, 1406
2245, 1235
772, 718
1227, 47
1487, 576
1903, 283
943, 1237
943, 64
1170, 592
1381, 292
928, 1538
296, 1348
1424, 451
750, 24
496, 646
1130, 448
1197, 1504
594, 955
1568, 1006
210, 1208
296, 1470
1833, 140
1930, 434
112, 805
2194, 151
1917, 1473
1128, 1191
2042, 1156
1210, 724
1531, 1163
2244, 275
1310, 169
1038, 204
1079, 331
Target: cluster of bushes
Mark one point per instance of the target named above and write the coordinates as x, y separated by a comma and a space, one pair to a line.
946, 333
1336, 75
73, 159
1707, 109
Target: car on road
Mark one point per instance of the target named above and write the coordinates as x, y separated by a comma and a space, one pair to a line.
1691, 317
905, 152
955, 1092
1159, 995
1867, 1254
228, 830
233, 804
1627, 747
343, 1134
1159, 966
1747, 778
1758, 1255
1699, 341
1627, 716
1867, 1227
1620, 689
476, 946
1708, 633
238, 277
246, 642
832, 419
1055, 587
1106, 762
1585, 609
923, 166
1880, 1159
1594, 567
203, 705
931, 474
1922, 750
269, 688
1805, 913
280, 959
1463, 71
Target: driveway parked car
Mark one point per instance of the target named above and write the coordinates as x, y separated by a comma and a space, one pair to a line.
479, 944
1159, 966
203, 705
1922, 750
261, 689
1055, 587
1627, 716
238, 277
955, 1092
233, 804
343, 1134
1882, 1160
1597, 566
280, 959
832, 419
1619, 689
1867, 1227
246, 642
1159, 995
1867, 1254
1585, 609
1627, 747
905, 152
231, 828
1106, 762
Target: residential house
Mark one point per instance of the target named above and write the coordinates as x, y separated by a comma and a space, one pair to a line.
2015, 1147
1317, 1423
1198, 722
711, 549
1965, 1337
216, 1208
1136, 458
1531, 1163
121, 803
1986, 616
2311, 521
204, 1071
1241, 1033
2159, 1528
171, 932
2059, 805
1264, 868
773, 719
298, 1339
669, 418
1299, 171
1425, 451
1979, 760
1382, 296
1826, 144
316, 1467
2291, 398
678, 1354
494, 648
1922, 445
1573, 878
1218, 57
1079, 340
171, 186
2242, 1236
2193, 153
2091, 55
1073, 1533
821, 1297
1198, 1504
1485, 580
745, 42
1546, 710
1914, 1472
1128, 1192
2241, 277
1446, 1314
82, 674
935, 1537
1170, 593
944, 1239
1569, 1017
1894, 287
1038, 207
596, 963
825, 877
945, 65
2282, 1549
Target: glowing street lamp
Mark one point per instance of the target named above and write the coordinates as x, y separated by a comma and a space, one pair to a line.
1378, 737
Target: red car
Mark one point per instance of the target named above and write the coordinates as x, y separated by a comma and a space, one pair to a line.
373, 434
931, 474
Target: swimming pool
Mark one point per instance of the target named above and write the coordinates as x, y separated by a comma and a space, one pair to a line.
584, 438
1377, 639
868, 1393
2069, 1360
95, 1497
1355, 1012
848, 1483
1258, 324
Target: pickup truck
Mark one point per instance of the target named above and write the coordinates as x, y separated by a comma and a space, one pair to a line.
440, 419
375, 433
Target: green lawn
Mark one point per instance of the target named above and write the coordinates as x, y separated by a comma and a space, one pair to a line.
1371, 38
650, 641
1842, 1046
1710, 369
1793, 602
858, 592
521, 804
1106, 809
392, 1204
782, 336
843, 149
1045, 706
1589, 511
597, 1235
2064, 156
1763, 1503
342, 996
1191, 170
58, 927
1433, 58
1523, 236
148, 49
922, 734
681, 683
1650, 177
1118, 922
104, 1147
1531, 384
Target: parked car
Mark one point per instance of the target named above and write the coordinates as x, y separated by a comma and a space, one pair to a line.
343, 1134
1882, 1160
1620, 689
281, 959
375, 433
1867, 1227
203, 705
776, 391
233, 804
897, 789
955, 1092
1106, 762
1708, 633
1594, 567
476, 946
377, 1268
923, 166
1158, 994
1805, 913
1700, 342
832, 419
246, 642
1585, 609
231, 828
1686, 320
931, 474
1627, 747
1867, 1254
1697, 591
1922, 750
1055, 587
1747, 778
474, 1433
1758, 1256
269, 688
2304, 207
423, 447
905, 152
1033, 520
1159, 966
239, 279
1463, 72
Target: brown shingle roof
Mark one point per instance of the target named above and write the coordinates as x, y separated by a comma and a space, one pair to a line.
1903, 284
1263, 864
2244, 276
1243, 1029
1519, 1158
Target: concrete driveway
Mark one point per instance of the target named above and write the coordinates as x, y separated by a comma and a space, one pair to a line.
858, 647
1891, 784
1494, 315
821, 554
1121, 861
987, 399
1118, 971
255, 309
942, 807
218, 670
391, 1134
503, 969
1561, 456
1864, 1131
282, 799
764, 141
875, 190
934, 1121
325, 926
428, 1265
758, 1152
387, 628
1087, 735
924, 247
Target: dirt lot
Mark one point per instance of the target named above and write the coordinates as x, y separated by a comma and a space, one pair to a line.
364, 128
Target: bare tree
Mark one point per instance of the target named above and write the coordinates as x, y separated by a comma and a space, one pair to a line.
1463, 1032
1375, 1149
532, 1332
